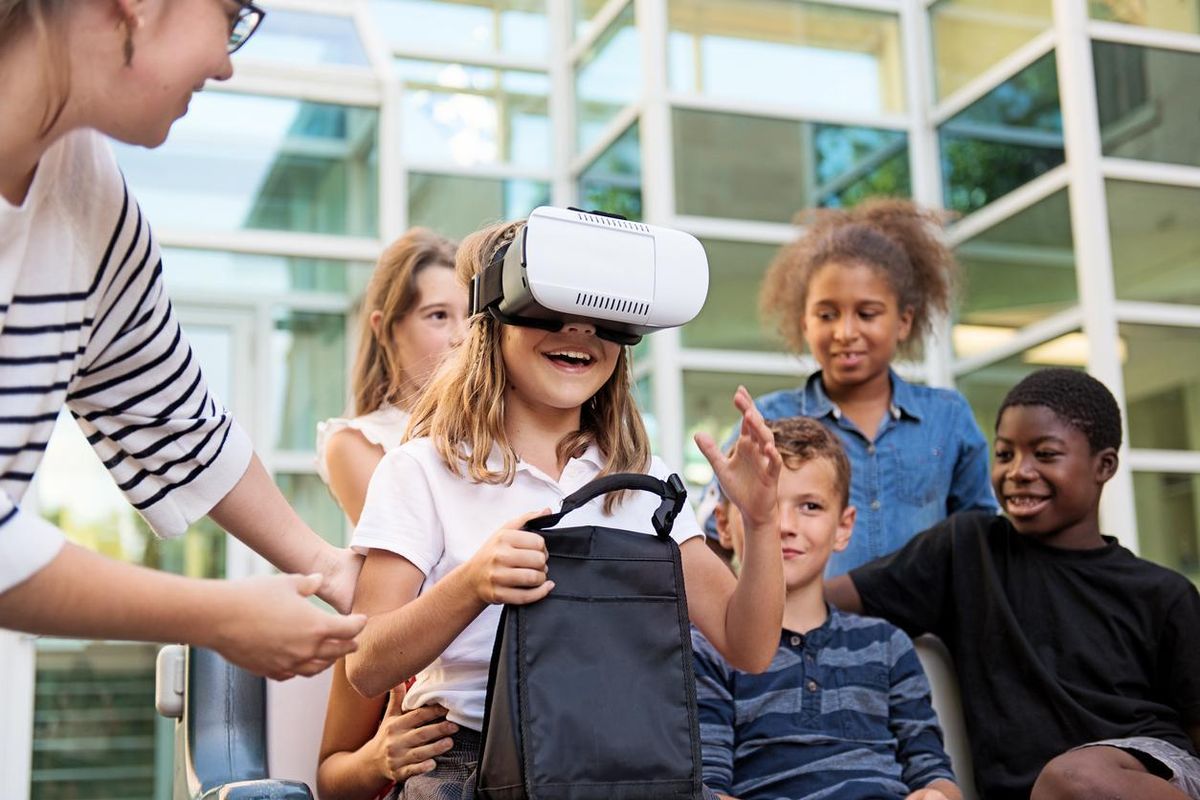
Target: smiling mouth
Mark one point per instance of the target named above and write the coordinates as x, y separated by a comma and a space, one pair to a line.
570, 360
789, 553
1025, 505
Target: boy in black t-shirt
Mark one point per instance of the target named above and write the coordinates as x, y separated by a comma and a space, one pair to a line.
1079, 662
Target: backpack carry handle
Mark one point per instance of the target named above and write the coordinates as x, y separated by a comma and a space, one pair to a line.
672, 492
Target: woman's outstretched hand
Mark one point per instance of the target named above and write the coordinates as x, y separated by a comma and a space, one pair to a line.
749, 474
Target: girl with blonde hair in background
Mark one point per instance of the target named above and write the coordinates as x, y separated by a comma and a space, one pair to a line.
411, 314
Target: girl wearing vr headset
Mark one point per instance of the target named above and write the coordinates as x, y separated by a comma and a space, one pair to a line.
411, 314
86, 324
517, 419
858, 288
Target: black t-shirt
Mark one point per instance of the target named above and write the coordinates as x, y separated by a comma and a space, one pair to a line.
1053, 648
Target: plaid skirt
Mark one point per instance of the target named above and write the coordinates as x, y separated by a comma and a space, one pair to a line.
454, 776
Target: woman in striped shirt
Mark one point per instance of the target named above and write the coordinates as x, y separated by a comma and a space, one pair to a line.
85, 323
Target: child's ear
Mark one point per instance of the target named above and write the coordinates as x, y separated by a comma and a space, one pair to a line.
374, 321
841, 539
721, 516
1107, 462
906, 321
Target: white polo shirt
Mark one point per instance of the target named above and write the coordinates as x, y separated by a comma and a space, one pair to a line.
417, 508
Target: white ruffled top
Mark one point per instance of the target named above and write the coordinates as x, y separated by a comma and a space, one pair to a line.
384, 427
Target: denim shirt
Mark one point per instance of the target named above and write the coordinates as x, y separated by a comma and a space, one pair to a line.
928, 460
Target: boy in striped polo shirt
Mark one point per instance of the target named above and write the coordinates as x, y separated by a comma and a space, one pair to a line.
844, 709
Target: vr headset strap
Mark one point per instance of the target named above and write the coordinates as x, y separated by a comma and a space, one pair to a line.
487, 287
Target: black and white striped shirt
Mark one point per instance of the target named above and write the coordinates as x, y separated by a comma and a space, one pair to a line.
85, 322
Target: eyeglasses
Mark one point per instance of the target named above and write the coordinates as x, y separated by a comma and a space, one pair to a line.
248, 18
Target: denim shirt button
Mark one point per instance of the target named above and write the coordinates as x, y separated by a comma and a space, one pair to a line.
876, 505
870, 449
811, 686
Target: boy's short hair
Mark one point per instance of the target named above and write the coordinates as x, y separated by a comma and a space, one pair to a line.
1077, 398
800, 440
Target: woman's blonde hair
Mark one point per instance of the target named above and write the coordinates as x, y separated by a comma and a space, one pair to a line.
378, 376
43, 18
462, 409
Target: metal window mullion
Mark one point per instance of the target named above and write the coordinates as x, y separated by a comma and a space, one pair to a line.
1128, 169
734, 230
561, 104
1185, 462
273, 243
993, 76
1009, 205
924, 163
1141, 36
658, 203
596, 28
1031, 335
18, 668
1090, 229
788, 111
614, 130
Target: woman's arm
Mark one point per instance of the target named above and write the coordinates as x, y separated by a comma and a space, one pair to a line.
406, 633
742, 618
256, 512
262, 624
350, 461
366, 748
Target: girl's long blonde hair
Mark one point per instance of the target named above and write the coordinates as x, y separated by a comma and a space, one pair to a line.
462, 409
378, 376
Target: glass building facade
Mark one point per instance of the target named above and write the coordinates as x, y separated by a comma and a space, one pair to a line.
1059, 131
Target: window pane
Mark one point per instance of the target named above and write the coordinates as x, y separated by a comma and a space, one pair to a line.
213, 271
1003, 140
308, 364
474, 115
708, 407
455, 205
969, 36
95, 730
643, 394
512, 27
309, 495
237, 161
613, 182
986, 388
1162, 386
297, 37
1168, 519
608, 78
584, 11
1155, 249
730, 316
1146, 100
1015, 273
1181, 15
757, 168
777, 51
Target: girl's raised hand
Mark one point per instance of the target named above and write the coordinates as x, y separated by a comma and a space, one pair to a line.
749, 475
511, 565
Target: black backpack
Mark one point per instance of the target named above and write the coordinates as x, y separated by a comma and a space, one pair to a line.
591, 694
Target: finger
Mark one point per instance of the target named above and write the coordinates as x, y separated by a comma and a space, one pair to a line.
314, 666
429, 733
347, 627
523, 559
410, 770
335, 648
395, 702
422, 716
429, 751
308, 584
708, 448
524, 540
519, 578
516, 523
521, 597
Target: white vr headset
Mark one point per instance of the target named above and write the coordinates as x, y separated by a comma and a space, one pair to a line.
626, 278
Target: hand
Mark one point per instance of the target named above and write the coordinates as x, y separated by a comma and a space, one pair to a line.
511, 565
339, 568
408, 741
268, 627
927, 794
749, 476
